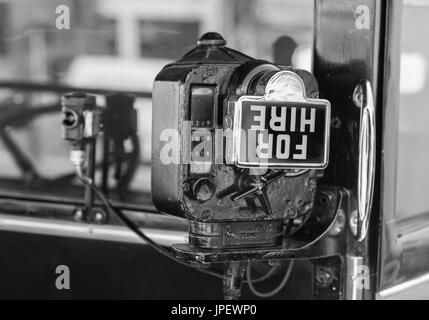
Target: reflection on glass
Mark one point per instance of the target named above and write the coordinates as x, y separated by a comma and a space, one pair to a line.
413, 154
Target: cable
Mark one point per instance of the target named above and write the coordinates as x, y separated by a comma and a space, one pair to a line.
265, 276
257, 293
87, 181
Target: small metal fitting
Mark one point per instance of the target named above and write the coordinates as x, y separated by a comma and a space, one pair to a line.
77, 157
324, 277
99, 216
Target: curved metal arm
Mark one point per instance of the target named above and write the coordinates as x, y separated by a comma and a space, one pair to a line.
367, 145
259, 188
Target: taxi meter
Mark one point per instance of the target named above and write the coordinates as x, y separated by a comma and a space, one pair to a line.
238, 145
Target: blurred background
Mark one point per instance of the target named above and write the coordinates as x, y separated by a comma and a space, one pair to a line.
117, 45
122, 45
112, 45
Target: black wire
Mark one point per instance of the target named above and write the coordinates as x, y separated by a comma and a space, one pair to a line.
136, 230
29, 113
130, 224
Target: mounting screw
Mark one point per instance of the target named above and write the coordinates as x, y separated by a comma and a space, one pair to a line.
186, 187
207, 214
358, 96
324, 277
211, 71
324, 199
292, 213
99, 216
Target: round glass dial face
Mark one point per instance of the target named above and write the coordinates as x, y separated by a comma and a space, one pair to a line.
285, 87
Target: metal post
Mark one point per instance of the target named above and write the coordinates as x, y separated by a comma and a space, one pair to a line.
233, 279
348, 49
90, 173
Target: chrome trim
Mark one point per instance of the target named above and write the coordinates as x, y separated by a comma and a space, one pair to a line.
261, 68
62, 228
414, 289
367, 146
353, 290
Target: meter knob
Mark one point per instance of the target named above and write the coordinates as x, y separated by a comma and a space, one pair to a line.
202, 189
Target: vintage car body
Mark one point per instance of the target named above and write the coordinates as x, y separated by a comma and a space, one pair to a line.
356, 61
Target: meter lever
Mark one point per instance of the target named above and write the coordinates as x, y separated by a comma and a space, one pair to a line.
258, 189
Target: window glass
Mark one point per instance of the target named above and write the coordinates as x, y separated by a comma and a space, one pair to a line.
167, 39
4, 7
413, 152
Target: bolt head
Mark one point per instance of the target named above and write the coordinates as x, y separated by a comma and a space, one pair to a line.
292, 213
98, 217
207, 214
358, 96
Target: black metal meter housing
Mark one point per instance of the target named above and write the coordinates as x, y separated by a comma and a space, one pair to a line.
237, 145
